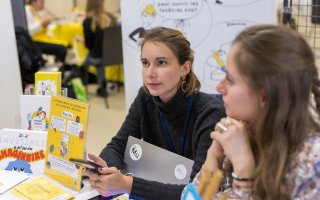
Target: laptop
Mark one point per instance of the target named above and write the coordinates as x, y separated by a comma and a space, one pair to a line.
147, 161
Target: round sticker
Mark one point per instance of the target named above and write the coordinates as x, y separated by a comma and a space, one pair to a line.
180, 171
135, 152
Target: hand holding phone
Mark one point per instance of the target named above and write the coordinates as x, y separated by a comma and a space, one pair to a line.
85, 163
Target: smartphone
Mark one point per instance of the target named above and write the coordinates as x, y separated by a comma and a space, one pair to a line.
85, 163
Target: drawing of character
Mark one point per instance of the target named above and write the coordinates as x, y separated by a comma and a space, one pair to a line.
78, 119
42, 115
48, 90
36, 113
47, 123
217, 55
147, 16
29, 118
81, 135
63, 149
64, 145
19, 166
43, 88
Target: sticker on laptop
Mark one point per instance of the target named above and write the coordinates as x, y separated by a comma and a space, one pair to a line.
135, 152
180, 172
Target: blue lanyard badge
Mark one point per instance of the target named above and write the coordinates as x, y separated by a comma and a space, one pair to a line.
167, 134
190, 193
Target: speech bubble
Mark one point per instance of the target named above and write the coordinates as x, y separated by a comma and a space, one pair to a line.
177, 9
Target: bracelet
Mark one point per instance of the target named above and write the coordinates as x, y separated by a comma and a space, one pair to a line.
239, 178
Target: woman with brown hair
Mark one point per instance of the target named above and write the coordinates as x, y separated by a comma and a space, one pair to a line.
169, 112
96, 20
271, 136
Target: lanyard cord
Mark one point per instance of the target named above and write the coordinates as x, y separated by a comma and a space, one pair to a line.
167, 134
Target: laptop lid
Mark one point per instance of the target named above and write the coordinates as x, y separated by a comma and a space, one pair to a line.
147, 161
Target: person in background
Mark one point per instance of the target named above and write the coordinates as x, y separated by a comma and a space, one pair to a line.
37, 27
271, 136
169, 104
97, 19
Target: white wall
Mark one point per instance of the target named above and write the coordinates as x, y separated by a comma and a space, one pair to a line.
61, 8
10, 81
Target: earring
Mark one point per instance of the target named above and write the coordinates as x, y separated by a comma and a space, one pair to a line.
183, 84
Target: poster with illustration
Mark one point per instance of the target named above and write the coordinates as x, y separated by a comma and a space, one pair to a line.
35, 112
66, 139
23, 150
47, 83
209, 25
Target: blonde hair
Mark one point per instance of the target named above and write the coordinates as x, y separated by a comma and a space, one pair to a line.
149, 9
95, 10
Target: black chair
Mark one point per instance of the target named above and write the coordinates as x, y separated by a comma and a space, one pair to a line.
112, 48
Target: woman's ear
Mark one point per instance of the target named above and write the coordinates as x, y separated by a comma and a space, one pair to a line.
186, 68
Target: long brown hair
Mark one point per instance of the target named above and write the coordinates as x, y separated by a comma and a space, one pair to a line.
95, 10
180, 47
279, 63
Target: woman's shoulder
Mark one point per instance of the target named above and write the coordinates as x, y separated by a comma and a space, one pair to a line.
87, 21
311, 146
304, 170
206, 100
309, 150
208, 107
202, 96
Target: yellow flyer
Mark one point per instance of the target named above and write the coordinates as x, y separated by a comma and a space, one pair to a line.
66, 139
35, 190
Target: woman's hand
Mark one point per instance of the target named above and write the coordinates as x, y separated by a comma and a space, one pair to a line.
236, 146
108, 180
112, 182
97, 160
215, 156
91, 173
46, 21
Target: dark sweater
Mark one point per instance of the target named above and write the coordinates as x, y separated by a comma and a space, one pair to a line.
143, 121
93, 40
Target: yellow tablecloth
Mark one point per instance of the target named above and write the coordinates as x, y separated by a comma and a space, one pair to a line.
67, 32
62, 34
